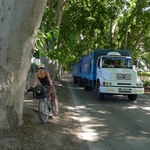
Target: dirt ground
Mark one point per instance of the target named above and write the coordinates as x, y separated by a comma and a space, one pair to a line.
60, 133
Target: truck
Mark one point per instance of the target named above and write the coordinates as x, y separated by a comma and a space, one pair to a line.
110, 72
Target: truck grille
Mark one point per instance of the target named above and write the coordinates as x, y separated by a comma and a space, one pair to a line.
120, 90
123, 76
123, 83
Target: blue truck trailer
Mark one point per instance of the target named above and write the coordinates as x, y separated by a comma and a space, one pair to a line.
76, 72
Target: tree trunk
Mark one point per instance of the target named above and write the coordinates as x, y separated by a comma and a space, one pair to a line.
19, 22
139, 39
59, 12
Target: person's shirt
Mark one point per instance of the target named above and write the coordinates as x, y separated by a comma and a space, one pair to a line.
45, 80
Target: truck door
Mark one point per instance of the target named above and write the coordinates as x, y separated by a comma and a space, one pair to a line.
98, 66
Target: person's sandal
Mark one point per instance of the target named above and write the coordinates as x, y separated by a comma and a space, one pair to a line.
55, 113
50, 114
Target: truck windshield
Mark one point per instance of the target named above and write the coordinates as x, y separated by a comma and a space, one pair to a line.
116, 62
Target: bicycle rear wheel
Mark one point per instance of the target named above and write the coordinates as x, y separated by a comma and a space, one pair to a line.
43, 110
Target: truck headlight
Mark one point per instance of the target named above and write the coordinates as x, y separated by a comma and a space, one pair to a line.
107, 83
139, 84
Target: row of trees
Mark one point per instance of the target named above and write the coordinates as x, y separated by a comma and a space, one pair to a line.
88, 24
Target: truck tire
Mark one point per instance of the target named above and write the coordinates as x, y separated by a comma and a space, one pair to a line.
80, 84
75, 80
85, 85
86, 88
132, 97
99, 94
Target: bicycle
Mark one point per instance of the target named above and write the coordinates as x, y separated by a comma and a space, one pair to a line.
45, 106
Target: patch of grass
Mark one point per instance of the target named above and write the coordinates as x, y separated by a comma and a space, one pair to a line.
144, 74
146, 83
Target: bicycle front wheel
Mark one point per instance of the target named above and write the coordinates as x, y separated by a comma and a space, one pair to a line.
43, 110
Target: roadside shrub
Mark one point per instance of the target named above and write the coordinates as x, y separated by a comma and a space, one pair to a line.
144, 74
146, 83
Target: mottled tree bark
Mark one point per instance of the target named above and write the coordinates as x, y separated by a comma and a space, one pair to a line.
19, 22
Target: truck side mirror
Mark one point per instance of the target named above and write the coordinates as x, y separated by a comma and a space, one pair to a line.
136, 63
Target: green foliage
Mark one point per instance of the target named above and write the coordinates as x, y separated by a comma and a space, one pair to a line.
47, 34
89, 24
146, 84
144, 74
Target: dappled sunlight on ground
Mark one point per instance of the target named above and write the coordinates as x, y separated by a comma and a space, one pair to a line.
110, 118
146, 108
28, 100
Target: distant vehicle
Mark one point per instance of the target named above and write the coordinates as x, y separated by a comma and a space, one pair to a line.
110, 72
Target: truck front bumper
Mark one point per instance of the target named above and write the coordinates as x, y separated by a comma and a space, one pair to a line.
121, 90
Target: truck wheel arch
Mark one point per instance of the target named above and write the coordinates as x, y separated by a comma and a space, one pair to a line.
99, 94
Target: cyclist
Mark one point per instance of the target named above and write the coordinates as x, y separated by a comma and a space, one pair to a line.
44, 77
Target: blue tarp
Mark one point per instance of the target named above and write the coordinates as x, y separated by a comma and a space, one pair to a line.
76, 68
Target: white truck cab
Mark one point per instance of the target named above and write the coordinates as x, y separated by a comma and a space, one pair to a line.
115, 75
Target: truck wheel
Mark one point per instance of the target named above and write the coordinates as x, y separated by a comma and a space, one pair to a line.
86, 88
75, 80
80, 84
85, 85
132, 97
99, 94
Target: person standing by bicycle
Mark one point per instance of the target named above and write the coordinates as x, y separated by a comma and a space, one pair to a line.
44, 77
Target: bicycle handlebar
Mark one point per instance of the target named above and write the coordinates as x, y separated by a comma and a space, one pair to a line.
31, 89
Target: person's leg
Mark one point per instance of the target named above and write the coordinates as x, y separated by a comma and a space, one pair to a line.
53, 96
55, 103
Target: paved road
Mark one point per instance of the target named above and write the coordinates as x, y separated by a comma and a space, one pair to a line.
114, 123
